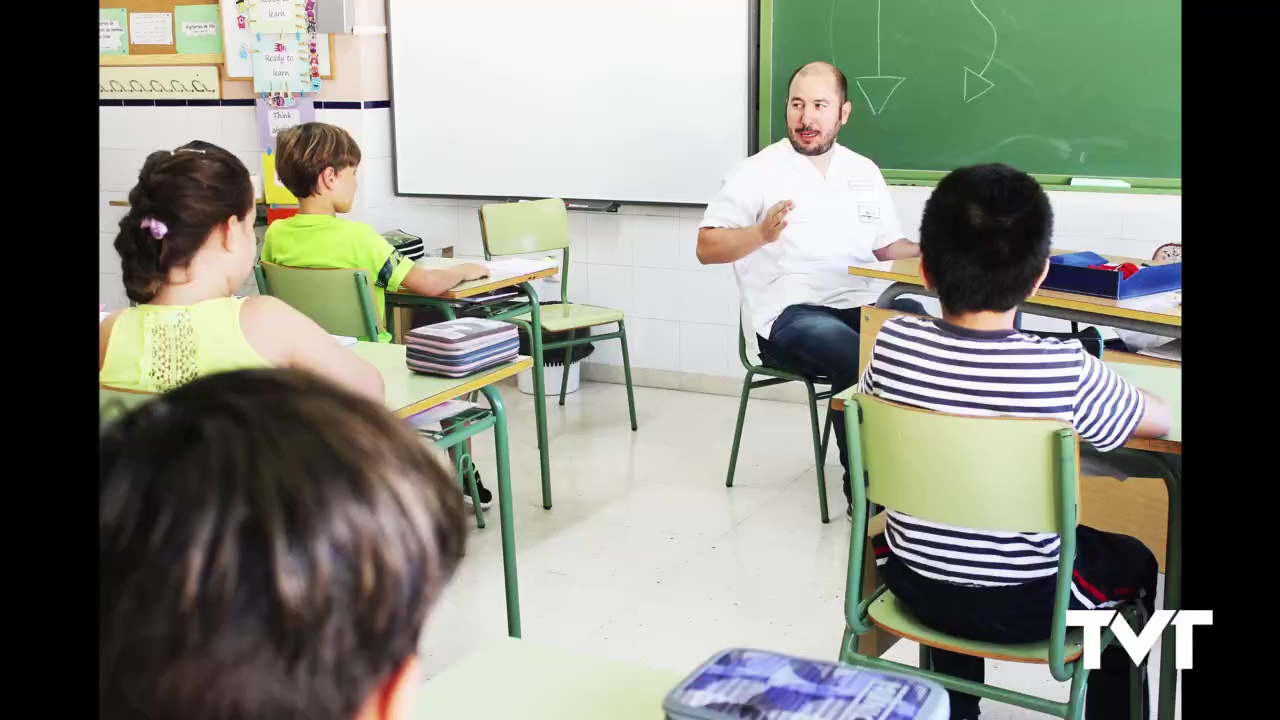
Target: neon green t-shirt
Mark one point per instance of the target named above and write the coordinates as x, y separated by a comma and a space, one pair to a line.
324, 241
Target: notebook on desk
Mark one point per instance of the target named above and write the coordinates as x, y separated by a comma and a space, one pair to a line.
515, 267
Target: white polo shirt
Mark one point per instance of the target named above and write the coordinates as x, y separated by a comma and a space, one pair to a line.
836, 221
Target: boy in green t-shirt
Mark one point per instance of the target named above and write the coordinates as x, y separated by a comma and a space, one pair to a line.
318, 163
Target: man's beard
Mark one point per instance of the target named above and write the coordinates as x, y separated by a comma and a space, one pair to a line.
821, 148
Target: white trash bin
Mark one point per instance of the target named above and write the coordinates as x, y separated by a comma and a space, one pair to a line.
550, 379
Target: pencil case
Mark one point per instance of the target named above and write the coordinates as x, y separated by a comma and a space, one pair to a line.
745, 683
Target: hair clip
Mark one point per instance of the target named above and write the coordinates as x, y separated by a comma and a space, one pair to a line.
187, 149
157, 228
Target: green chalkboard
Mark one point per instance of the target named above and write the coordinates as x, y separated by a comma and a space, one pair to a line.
1083, 88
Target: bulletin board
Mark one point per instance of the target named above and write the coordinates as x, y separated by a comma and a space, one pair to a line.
152, 6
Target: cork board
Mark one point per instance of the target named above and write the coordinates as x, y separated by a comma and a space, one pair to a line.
152, 6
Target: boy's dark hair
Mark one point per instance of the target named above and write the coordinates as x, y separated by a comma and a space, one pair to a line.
984, 238
304, 151
269, 546
189, 192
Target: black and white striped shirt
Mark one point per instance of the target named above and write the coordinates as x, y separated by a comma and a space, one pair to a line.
932, 364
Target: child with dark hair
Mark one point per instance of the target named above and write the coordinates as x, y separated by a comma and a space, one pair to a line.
984, 244
185, 245
259, 559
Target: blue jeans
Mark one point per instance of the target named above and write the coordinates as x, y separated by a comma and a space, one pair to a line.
817, 341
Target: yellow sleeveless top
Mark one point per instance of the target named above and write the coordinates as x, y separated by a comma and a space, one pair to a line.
156, 348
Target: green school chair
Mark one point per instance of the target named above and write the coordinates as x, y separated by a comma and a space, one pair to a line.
939, 468
539, 226
340, 300
777, 377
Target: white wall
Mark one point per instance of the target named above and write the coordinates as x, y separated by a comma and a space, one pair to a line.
681, 316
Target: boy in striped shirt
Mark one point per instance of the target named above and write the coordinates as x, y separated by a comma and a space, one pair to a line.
984, 242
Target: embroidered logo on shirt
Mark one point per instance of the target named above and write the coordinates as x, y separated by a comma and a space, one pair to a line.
868, 213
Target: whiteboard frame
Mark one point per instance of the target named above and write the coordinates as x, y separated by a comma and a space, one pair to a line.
754, 64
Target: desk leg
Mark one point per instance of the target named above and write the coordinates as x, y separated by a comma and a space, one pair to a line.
539, 391
505, 522
1172, 586
401, 321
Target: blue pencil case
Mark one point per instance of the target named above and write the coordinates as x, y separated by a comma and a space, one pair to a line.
762, 685
1071, 273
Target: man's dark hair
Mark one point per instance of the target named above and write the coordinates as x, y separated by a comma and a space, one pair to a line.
841, 81
984, 238
268, 547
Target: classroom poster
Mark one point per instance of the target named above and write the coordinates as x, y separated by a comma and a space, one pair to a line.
178, 82
279, 65
276, 16
198, 29
273, 190
274, 117
237, 41
111, 31
150, 28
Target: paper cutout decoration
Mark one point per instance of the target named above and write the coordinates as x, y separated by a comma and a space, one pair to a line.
273, 191
111, 31
272, 118
313, 42
237, 41
198, 29
276, 16
279, 65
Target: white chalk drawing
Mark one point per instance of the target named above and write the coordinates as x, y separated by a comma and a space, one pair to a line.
878, 88
975, 83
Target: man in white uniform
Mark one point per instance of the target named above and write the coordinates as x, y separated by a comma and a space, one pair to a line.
792, 218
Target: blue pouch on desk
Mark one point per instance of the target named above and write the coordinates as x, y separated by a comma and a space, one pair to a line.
1071, 273
770, 686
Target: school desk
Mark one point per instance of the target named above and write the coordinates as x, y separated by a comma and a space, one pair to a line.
400, 305
1146, 505
537, 682
409, 393
1159, 314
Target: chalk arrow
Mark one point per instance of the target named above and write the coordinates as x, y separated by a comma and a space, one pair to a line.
877, 90
975, 85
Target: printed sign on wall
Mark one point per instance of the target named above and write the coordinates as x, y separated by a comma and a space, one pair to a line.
272, 118
280, 65
276, 16
111, 31
158, 83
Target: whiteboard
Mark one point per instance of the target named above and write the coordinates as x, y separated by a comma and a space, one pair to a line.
621, 100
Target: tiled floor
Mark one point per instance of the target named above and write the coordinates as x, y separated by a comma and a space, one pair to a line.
646, 556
